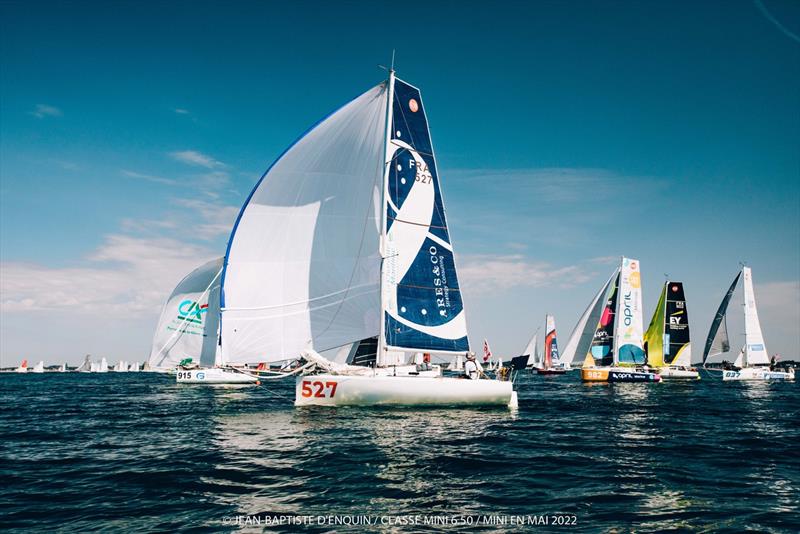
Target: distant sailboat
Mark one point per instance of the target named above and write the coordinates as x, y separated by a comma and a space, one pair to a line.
616, 353
39, 368
23, 367
532, 351
189, 329
582, 335
133, 367
666, 341
63, 368
753, 362
103, 367
552, 364
86, 366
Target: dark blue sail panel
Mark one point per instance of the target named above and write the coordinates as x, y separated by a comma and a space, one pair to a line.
426, 311
723, 344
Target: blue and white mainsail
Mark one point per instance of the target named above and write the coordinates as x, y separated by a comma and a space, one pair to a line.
422, 303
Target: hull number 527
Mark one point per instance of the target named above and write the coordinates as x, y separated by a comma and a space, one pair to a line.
318, 389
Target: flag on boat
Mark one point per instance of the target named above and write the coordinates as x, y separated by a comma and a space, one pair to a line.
487, 352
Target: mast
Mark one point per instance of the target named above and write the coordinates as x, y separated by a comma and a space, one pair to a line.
614, 348
387, 161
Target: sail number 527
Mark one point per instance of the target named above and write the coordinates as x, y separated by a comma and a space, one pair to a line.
318, 389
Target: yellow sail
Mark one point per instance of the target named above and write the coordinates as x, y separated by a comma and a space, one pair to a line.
654, 337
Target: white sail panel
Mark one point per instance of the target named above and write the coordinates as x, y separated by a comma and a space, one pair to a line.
187, 327
302, 267
530, 349
755, 349
629, 329
581, 338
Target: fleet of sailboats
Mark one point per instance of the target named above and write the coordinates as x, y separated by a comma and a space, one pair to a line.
340, 272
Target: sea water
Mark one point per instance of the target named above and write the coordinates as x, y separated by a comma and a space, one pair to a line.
135, 452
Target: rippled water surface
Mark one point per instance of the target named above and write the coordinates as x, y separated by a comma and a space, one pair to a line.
137, 453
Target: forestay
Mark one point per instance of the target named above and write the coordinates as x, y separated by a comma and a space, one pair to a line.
187, 327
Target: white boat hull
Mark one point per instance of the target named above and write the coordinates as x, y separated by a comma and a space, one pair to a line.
757, 373
340, 390
673, 373
215, 375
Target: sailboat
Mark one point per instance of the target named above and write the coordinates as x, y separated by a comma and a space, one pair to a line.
63, 368
86, 366
188, 329
38, 368
23, 367
103, 366
666, 341
532, 351
551, 364
615, 353
343, 239
752, 362
121, 367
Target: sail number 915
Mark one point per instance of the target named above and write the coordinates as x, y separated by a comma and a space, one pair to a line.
318, 389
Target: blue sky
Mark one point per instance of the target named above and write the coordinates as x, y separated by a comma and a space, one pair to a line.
567, 134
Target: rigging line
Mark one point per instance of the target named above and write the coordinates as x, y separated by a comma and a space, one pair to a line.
418, 224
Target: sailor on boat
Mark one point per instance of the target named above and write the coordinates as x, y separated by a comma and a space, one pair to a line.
472, 369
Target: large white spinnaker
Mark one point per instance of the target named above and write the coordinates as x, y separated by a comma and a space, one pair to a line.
188, 324
581, 338
302, 266
755, 350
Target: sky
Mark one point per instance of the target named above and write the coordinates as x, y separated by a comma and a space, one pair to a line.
567, 135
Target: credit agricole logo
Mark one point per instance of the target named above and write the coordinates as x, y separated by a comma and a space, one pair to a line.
191, 312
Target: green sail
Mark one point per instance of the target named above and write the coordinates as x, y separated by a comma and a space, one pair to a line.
654, 336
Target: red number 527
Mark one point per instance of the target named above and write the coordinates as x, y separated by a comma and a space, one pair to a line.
317, 388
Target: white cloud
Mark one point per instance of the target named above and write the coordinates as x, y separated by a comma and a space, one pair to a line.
484, 273
150, 178
210, 219
126, 275
193, 157
181, 111
43, 110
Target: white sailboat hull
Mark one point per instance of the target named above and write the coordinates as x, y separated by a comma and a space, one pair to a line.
757, 373
215, 375
339, 390
674, 373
